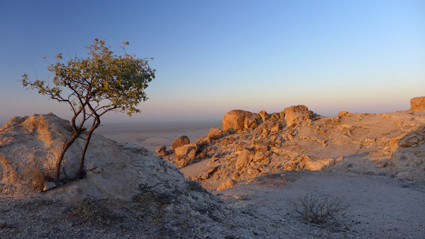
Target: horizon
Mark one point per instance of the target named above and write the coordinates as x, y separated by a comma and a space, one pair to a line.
361, 57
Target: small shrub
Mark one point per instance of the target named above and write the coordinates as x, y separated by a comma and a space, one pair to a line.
318, 208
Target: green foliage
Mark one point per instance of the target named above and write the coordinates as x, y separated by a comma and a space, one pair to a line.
99, 83
93, 86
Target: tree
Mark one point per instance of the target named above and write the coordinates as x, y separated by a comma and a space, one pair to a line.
93, 86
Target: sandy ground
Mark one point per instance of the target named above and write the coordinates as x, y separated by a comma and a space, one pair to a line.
376, 206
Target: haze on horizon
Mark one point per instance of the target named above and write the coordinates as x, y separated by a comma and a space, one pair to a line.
211, 57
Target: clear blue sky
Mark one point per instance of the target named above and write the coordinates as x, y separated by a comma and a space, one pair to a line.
214, 56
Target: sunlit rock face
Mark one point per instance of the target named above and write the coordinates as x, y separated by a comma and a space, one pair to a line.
235, 120
417, 104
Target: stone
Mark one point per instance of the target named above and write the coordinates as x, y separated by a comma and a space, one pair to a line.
234, 120
180, 141
161, 148
243, 159
276, 128
29, 150
263, 114
215, 133
259, 156
297, 114
417, 103
251, 121
226, 184
187, 150
410, 140
161, 151
182, 161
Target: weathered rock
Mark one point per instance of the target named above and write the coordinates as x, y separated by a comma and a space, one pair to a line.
180, 141
297, 114
243, 159
259, 156
161, 151
226, 184
29, 147
215, 133
410, 140
417, 103
182, 161
263, 114
252, 121
235, 120
188, 150
161, 148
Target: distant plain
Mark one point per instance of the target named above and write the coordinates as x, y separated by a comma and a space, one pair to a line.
153, 134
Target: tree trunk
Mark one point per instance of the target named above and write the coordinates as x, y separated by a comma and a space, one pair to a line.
65, 147
81, 173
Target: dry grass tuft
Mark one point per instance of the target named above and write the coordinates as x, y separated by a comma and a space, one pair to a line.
318, 208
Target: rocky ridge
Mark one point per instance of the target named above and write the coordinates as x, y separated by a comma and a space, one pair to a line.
260, 144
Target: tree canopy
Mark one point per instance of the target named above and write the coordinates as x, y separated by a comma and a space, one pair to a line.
93, 86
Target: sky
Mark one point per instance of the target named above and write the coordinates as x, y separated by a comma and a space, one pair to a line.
214, 56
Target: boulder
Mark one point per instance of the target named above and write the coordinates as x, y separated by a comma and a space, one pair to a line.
215, 133
297, 114
180, 141
417, 103
243, 159
161, 151
188, 150
226, 184
29, 147
235, 120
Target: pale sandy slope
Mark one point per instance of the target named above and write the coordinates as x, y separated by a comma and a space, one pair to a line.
377, 206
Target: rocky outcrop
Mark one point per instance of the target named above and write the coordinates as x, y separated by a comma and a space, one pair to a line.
298, 139
417, 104
180, 141
29, 147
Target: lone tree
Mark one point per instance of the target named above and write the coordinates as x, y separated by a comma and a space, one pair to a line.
93, 86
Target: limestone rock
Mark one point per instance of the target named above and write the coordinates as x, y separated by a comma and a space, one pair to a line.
180, 141
417, 103
188, 150
252, 121
29, 147
215, 133
161, 148
263, 114
182, 161
243, 159
226, 184
297, 114
162, 151
235, 120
